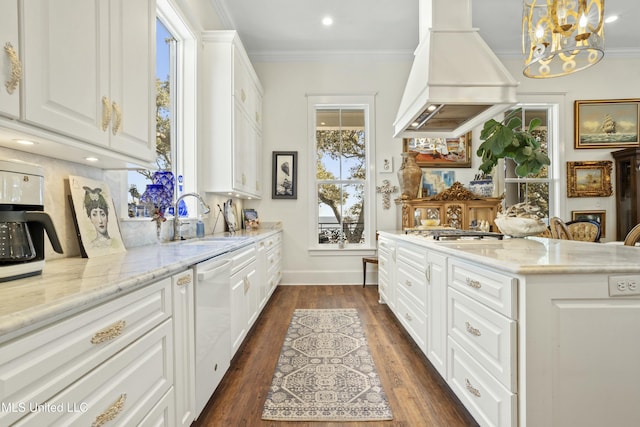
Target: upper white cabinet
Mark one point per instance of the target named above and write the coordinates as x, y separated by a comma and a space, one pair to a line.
10, 64
90, 73
231, 115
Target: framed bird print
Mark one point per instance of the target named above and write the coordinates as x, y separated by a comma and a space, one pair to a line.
285, 170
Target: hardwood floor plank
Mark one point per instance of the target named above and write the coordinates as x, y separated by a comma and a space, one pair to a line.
417, 394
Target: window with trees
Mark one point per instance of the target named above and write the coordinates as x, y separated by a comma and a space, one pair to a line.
535, 189
342, 144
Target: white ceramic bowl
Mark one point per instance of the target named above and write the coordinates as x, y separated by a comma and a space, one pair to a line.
519, 226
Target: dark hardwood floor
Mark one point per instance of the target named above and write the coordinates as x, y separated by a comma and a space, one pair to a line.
417, 394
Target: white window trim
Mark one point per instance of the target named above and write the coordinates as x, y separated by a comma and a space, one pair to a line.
366, 102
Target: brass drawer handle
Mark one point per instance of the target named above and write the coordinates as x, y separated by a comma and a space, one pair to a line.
473, 283
427, 273
16, 69
473, 331
111, 412
408, 317
471, 388
247, 284
408, 283
106, 113
184, 281
117, 119
109, 332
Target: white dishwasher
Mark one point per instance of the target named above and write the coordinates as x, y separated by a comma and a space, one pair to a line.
213, 325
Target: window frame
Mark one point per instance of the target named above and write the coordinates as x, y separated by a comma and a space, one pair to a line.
365, 102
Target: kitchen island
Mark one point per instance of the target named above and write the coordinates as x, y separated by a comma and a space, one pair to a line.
526, 332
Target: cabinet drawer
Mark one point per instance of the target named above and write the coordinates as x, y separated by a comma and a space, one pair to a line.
413, 319
486, 399
163, 414
414, 282
123, 389
242, 257
493, 289
413, 255
486, 335
34, 368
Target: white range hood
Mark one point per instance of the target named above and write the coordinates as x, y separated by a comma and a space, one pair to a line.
456, 81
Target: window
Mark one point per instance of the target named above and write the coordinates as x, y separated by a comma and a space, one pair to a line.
536, 189
176, 107
342, 144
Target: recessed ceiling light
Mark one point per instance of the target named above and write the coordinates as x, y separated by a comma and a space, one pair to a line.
610, 19
327, 21
24, 142
91, 159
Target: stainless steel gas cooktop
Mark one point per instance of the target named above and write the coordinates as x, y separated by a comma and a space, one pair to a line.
453, 234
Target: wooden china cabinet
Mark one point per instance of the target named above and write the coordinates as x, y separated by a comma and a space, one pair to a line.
455, 207
627, 183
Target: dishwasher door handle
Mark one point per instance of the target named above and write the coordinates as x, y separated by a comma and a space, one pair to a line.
207, 274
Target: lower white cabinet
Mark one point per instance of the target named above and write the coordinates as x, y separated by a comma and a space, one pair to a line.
182, 288
274, 265
437, 311
116, 358
387, 271
244, 288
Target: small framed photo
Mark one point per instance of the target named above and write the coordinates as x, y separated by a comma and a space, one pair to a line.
598, 216
607, 123
589, 179
285, 183
441, 152
250, 219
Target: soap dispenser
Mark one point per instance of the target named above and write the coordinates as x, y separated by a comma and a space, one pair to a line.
200, 227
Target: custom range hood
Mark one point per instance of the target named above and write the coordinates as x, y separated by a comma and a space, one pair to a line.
456, 82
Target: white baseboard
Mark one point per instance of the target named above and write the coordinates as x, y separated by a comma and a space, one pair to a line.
329, 277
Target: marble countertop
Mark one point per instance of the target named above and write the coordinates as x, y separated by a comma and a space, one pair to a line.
534, 255
70, 285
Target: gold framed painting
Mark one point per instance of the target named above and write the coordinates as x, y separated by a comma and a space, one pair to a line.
598, 216
607, 123
440, 152
589, 179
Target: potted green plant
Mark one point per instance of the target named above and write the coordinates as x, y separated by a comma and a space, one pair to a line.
507, 139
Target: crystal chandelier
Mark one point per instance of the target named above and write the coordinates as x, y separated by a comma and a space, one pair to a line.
560, 37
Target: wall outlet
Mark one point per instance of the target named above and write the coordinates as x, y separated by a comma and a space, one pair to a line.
623, 285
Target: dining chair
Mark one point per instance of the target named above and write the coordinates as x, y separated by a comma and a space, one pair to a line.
633, 236
559, 229
584, 230
368, 260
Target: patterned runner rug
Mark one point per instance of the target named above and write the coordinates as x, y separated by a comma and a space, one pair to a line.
325, 372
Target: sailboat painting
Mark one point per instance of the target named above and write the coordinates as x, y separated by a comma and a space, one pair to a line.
606, 123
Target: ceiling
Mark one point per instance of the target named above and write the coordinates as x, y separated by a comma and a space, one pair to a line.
293, 28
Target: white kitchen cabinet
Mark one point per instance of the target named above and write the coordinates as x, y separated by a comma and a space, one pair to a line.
274, 264
89, 72
120, 348
182, 288
231, 117
10, 63
411, 287
244, 285
437, 311
387, 271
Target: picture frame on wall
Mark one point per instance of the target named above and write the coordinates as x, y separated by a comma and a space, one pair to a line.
285, 170
598, 216
607, 123
440, 152
589, 179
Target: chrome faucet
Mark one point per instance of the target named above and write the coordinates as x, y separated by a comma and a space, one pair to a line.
176, 221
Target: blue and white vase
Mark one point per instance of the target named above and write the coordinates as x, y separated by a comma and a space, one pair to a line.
168, 182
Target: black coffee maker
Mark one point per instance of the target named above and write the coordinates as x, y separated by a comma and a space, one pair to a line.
23, 221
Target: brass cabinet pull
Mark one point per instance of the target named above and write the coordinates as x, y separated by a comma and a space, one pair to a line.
427, 273
408, 317
109, 332
247, 284
473, 283
471, 388
111, 412
184, 281
473, 331
117, 119
243, 95
106, 113
16, 68
408, 283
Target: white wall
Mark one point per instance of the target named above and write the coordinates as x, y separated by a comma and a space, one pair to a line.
286, 85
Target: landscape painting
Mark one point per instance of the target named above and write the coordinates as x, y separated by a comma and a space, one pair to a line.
606, 123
